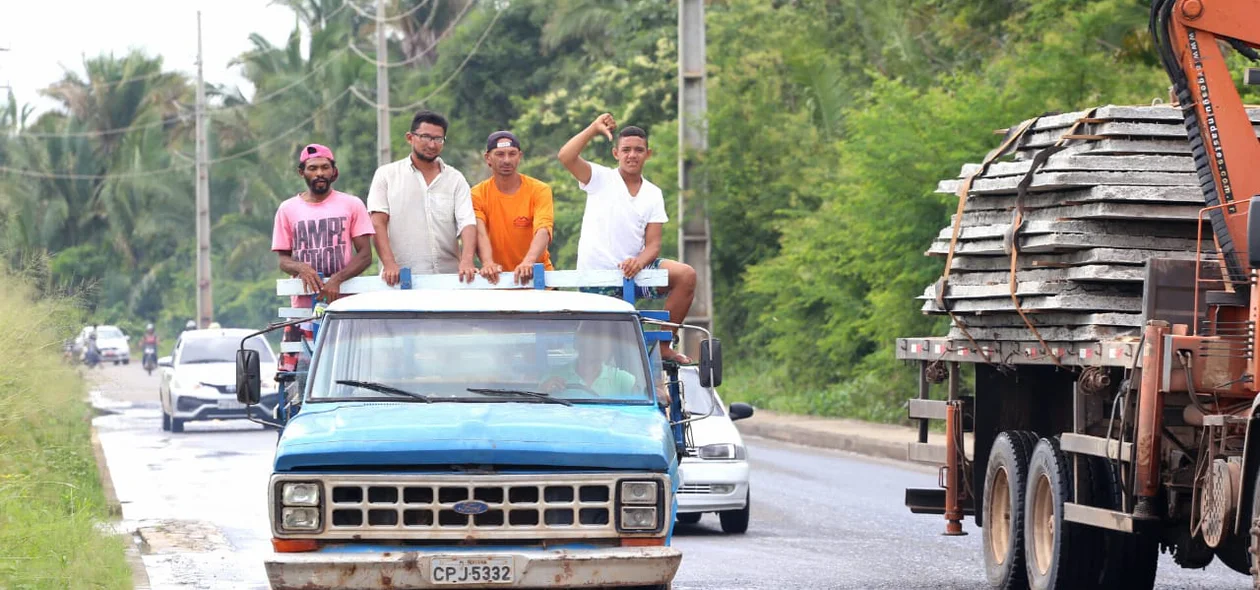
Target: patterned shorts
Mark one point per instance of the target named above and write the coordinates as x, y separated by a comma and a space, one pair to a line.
639, 292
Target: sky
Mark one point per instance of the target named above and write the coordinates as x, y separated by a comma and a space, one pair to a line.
44, 38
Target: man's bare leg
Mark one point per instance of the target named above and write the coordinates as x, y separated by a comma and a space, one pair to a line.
680, 293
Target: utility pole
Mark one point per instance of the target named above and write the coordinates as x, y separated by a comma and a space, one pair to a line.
205, 300
5, 86
382, 88
694, 245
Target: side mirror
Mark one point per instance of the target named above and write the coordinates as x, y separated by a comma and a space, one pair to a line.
710, 362
248, 377
740, 410
166, 362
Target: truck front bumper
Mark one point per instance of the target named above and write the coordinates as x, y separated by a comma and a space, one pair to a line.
570, 568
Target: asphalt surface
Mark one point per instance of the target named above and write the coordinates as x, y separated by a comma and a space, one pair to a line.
820, 519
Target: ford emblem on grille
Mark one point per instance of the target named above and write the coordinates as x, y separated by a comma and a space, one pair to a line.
471, 507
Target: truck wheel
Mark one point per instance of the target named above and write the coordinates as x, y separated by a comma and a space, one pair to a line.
1061, 554
1003, 507
166, 421
1130, 562
1254, 531
177, 425
689, 517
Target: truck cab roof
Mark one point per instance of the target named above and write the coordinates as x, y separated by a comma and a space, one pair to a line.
481, 300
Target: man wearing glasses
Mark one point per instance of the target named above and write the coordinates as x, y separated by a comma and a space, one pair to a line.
422, 209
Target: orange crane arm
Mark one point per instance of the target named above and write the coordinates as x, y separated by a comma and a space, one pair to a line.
1188, 34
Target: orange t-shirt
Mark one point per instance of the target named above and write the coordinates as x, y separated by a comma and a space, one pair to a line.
512, 220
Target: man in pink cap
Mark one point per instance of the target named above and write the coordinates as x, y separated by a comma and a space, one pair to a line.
322, 236
321, 232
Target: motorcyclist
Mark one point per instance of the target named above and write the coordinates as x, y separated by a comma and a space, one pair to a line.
91, 354
149, 344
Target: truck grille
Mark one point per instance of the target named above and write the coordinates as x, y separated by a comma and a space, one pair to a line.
462, 507
695, 488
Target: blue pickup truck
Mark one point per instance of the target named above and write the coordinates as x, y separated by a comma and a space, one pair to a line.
477, 437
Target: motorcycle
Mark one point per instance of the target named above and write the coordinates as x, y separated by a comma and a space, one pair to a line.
150, 357
91, 357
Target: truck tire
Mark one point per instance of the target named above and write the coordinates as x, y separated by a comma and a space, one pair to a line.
1060, 554
1254, 534
1003, 509
166, 421
1129, 562
689, 517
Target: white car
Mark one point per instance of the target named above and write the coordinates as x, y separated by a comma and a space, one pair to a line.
715, 476
114, 345
198, 381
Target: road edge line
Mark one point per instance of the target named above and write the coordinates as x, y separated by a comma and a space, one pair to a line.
139, 575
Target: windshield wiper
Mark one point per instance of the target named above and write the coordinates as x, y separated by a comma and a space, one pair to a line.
382, 388
538, 395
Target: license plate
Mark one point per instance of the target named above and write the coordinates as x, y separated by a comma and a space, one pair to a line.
457, 571
230, 404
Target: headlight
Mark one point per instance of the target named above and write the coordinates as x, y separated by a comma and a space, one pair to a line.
722, 451
638, 492
304, 519
638, 518
299, 494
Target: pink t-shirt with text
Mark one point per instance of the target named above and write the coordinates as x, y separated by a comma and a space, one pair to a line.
321, 234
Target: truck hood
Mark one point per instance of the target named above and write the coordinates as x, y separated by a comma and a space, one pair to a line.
409, 434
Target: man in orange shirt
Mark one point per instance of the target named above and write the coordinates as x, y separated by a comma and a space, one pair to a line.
514, 213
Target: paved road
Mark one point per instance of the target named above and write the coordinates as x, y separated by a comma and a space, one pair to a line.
820, 519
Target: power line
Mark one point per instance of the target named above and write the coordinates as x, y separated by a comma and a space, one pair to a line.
444, 83
458, 19
142, 173
257, 100
283, 134
153, 75
392, 19
171, 120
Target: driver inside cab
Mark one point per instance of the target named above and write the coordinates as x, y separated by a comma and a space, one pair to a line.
595, 370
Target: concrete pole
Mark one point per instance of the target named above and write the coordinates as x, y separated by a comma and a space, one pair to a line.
693, 138
205, 299
382, 88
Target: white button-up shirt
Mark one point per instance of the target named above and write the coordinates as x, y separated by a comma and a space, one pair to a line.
424, 218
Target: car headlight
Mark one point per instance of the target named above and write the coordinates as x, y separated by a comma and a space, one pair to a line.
301, 519
722, 451
638, 492
299, 494
641, 518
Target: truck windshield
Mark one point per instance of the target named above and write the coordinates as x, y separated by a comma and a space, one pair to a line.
490, 357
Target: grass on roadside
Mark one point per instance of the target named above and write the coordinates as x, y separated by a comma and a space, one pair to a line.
871, 397
51, 501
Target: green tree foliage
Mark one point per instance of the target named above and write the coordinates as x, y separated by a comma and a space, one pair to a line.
830, 123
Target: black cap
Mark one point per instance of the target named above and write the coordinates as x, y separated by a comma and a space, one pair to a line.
500, 139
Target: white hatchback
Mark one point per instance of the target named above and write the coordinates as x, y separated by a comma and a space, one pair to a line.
199, 379
715, 475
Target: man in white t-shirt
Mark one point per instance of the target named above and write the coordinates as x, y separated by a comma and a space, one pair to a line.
624, 218
421, 208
